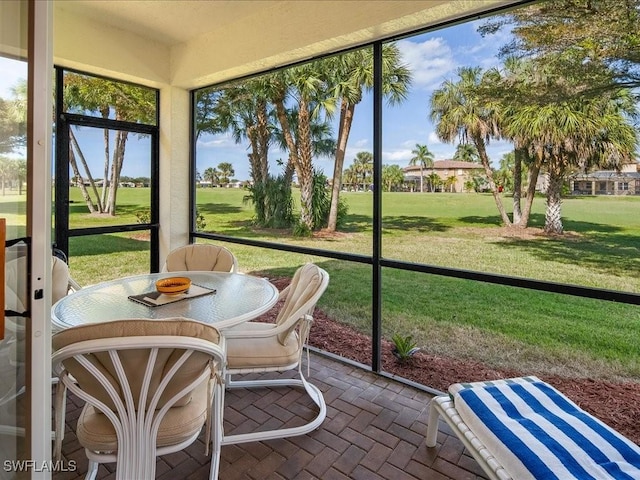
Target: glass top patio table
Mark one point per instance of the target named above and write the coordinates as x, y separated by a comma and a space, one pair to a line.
237, 298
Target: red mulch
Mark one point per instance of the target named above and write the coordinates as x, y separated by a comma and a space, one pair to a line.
616, 404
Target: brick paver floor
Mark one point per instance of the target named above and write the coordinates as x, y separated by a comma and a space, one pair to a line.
375, 429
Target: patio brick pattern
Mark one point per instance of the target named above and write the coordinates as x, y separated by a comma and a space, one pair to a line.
375, 429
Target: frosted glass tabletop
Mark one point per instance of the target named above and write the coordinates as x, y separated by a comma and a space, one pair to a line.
238, 298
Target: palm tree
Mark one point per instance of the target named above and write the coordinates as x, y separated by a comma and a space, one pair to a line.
13, 119
424, 158
460, 112
466, 152
322, 141
576, 134
392, 176
505, 174
306, 86
21, 173
363, 166
5, 172
244, 110
226, 171
434, 181
212, 175
450, 183
127, 103
350, 176
353, 74
522, 83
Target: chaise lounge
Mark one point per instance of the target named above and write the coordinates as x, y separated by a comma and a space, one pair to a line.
523, 428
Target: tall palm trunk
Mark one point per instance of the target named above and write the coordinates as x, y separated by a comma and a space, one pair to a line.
306, 184
305, 167
105, 134
532, 180
254, 156
519, 152
289, 170
553, 212
116, 170
258, 135
103, 197
484, 158
72, 160
346, 118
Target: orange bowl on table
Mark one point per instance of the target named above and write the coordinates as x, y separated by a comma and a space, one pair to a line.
173, 285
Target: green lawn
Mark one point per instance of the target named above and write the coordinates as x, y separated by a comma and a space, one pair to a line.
504, 326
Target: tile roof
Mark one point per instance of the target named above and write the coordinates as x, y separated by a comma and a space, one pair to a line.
446, 165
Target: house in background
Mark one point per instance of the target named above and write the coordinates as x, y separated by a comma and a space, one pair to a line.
444, 176
607, 182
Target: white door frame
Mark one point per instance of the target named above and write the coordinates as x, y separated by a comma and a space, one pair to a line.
39, 219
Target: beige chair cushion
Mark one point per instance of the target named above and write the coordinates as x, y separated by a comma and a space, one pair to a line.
59, 279
15, 284
95, 431
268, 352
200, 257
12, 301
16, 276
303, 287
134, 361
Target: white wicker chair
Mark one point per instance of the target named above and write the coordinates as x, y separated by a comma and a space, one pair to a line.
149, 387
201, 257
255, 347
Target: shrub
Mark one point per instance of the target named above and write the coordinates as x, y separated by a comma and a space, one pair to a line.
321, 203
404, 347
144, 216
272, 202
201, 223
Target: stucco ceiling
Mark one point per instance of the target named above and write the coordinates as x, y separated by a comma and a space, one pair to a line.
172, 22
191, 43
169, 22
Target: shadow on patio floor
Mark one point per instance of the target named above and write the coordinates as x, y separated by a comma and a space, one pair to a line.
375, 429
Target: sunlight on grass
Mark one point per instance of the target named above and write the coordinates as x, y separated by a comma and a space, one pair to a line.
501, 326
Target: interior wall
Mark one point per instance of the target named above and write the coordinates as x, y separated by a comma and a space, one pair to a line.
83, 44
174, 169
13, 38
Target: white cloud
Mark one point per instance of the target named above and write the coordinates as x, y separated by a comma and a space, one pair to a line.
362, 143
433, 139
430, 61
398, 157
216, 141
409, 143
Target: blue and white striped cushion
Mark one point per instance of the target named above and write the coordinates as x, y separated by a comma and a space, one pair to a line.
536, 432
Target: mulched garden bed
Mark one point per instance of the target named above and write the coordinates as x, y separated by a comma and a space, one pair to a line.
616, 404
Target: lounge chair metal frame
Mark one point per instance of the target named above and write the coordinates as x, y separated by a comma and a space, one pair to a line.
442, 407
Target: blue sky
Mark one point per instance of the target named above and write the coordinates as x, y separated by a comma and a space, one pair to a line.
432, 58
12, 72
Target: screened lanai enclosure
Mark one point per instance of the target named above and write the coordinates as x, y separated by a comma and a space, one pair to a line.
335, 137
